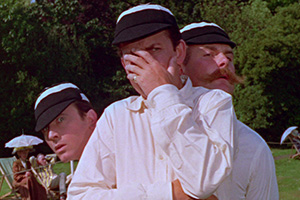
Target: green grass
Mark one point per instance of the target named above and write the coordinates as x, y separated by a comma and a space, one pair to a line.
288, 175
58, 168
63, 167
287, 171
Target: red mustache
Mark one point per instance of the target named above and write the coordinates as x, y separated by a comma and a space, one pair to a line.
226, 73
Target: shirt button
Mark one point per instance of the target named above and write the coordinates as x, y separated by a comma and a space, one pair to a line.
161, 157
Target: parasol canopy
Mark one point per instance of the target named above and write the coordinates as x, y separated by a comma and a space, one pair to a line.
23, 141
287, 132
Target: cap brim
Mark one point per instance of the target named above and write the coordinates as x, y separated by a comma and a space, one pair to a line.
139, 32
210, 39
51, 113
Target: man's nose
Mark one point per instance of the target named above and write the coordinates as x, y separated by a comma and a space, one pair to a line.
53, 135
222, 60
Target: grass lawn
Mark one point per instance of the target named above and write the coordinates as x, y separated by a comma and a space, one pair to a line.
288, 174
58, 168
287, 170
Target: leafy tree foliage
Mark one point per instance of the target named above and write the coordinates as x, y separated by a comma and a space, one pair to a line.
49, 42
270, 60
53, 41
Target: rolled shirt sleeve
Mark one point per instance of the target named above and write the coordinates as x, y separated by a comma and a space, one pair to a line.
199, 142
122, 159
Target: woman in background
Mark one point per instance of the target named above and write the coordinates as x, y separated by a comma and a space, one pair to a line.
24, 181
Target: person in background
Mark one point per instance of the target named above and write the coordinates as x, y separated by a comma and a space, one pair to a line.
209, 63
44, 169
66, 118
295, 136
171, 142
24, 181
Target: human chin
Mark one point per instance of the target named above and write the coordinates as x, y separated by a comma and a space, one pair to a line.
64, 157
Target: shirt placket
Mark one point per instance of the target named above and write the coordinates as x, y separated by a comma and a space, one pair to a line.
161, 165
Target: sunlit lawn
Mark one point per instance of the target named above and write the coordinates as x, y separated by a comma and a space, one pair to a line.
287, 170
58, 168
288, 174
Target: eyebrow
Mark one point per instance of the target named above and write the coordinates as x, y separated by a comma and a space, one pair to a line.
215, 49
61, 115
148, 47
151, 46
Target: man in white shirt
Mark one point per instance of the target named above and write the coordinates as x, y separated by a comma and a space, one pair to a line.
209, 63
66, 118
171, 142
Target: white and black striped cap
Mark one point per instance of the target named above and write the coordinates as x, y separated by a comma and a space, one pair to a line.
141, 21
205, 33
53, 101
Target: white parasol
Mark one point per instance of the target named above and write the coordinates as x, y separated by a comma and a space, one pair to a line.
23, 141
286, 133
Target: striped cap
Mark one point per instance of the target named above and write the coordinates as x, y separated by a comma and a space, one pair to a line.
205, 33
53, 101
141, 21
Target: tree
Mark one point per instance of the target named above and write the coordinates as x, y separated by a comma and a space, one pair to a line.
48, 42
51, 41
270, 97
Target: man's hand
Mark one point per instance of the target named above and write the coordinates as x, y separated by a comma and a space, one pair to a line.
149, 72
178, 193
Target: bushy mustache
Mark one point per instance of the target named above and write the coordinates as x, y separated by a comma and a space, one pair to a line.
225, 72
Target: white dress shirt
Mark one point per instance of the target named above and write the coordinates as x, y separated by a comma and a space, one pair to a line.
253, 174
140, 146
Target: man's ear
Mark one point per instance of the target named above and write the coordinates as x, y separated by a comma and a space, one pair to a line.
91, 116
180, 52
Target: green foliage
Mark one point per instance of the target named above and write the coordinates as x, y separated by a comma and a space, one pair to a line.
54, 41
287, 174
45, 43
274, 4
270, 96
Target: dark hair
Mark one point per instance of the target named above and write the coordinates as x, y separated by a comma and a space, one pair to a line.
175, 36
83, 107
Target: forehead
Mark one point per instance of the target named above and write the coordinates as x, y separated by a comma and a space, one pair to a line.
158, 38
70, 109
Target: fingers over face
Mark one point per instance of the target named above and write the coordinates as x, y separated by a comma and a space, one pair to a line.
147, 57
133, 69
135, 60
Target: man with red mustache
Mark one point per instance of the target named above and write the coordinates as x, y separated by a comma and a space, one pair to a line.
171, 142
209, 63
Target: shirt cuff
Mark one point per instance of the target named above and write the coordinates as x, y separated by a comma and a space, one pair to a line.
163, 97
